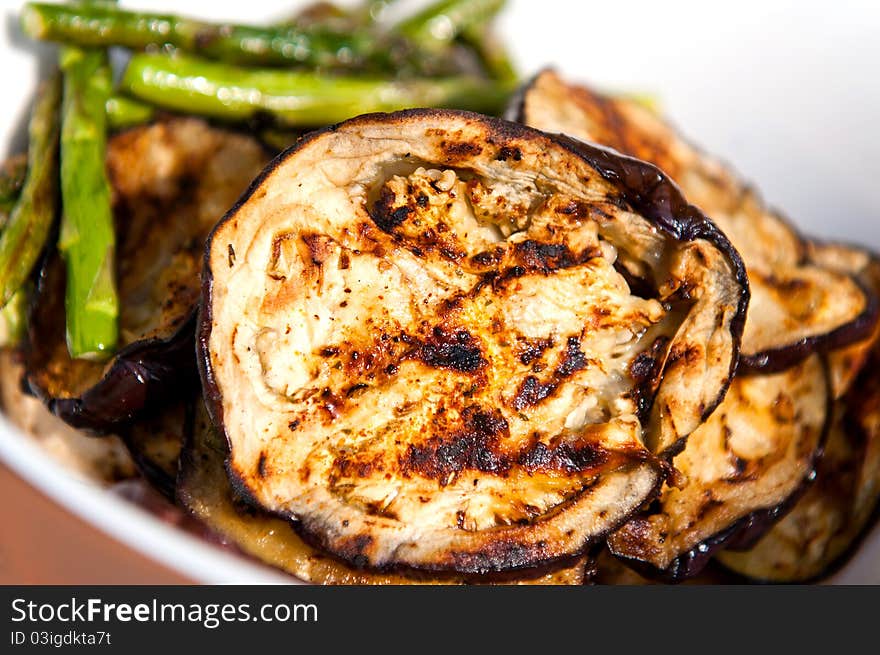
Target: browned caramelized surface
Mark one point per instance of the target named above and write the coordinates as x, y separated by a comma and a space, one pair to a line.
833, 513
205, 491
423, 343
756, 450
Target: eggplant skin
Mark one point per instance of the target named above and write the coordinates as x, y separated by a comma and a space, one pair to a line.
171, 182
797, 307
203, 489
605, 569
155, 442
579, 494
741, 472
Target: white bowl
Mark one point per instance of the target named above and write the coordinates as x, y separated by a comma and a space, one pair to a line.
785, 90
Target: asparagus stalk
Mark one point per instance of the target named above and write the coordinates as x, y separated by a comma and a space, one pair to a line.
31, 219
87, 240
124, 112
13, 319
296, 99
13, 316
105, 25
440, 23
11, 180
494, 56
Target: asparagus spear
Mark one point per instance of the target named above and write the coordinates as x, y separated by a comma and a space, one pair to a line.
11, 180
13, 319
439, 24
495, 58
87, 240
294, 98
31, 219
124, 112
106, 25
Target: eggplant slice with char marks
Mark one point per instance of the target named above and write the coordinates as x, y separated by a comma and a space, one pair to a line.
418, 337
203, 488
845, 363
830, 518
796, 307
833, 514
171, 182
739, 473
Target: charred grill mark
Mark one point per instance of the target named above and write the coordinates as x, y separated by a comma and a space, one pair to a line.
532, 391
473, 446
645, 370
501, 554
488, 258
574, 208
356, 466
390, 219
530, 350
708, 504
454, 349
689, 353
385, 215
573, 360
509, 152
456, 150
565, 458
230, 255
536, 256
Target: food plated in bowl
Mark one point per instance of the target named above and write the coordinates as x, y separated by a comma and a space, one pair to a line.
436, 345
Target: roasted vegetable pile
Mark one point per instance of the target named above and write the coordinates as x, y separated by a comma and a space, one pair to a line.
504, 332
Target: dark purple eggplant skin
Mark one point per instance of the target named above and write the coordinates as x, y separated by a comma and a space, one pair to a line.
776, 360
772, 360
642, 185
141, 376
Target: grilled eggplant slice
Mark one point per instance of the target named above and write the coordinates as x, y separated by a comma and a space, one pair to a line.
740, 472
826, 523
845, 363
418, 337
204, 490
171, 182
832, 515
796, 306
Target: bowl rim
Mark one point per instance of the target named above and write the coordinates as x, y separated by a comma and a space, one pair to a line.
121, 519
